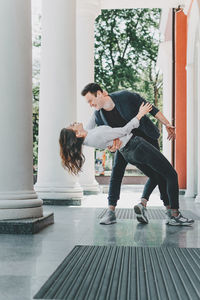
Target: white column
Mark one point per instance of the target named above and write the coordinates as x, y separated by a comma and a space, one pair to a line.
197, 199
164, 62
17, 197
190, 190
87, 11
57, 98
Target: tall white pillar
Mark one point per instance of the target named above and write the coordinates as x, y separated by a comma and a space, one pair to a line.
87, 11
57, 98
164, 62
17, 197
197, 199
190, 190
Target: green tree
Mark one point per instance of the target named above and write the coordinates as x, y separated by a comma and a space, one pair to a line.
126, 46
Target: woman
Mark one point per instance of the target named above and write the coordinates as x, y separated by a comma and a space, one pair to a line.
73, 137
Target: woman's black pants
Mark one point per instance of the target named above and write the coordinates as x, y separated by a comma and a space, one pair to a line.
155, 165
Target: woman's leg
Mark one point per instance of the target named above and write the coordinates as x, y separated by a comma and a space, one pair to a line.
145, 154
154, 180
158, 162
138, 151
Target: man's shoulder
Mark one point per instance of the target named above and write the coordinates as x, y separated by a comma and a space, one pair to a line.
123, 93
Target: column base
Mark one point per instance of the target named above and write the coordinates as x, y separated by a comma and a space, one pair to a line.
197, 199
26, 226
91, 189
20, 205
21, 213
189, 194
60, 196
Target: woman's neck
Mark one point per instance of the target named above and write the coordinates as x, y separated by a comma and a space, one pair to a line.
84, 133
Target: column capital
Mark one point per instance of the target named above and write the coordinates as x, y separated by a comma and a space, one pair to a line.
88, 7
186, 6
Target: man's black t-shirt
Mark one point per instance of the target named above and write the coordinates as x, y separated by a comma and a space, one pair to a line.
114, 119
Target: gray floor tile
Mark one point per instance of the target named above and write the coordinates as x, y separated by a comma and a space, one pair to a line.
27, 261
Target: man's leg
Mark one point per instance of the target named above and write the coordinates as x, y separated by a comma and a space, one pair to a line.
117, 174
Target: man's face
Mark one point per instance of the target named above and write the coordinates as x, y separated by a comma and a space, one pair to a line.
95, 101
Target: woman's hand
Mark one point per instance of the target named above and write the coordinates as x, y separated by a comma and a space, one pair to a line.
144, 109
116, 145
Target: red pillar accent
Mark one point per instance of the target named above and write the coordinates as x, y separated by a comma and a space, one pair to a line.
180, 96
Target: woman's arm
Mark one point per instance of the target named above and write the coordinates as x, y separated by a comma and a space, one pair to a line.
118, 132
134, 123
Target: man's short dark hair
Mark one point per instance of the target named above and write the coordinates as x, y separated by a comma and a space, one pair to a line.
91, 88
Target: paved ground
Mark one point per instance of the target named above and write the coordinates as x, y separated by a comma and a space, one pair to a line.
26, 261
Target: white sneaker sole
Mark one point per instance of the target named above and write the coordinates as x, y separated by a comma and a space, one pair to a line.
179, 224
111, 222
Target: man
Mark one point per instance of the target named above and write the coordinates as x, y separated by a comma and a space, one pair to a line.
115, 110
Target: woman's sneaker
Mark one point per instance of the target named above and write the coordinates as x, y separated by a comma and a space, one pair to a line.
140, 211
108, 218
180, 221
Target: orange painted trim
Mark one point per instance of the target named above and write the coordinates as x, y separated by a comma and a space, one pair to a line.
180, 96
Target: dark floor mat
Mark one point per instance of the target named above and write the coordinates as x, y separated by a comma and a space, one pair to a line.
125, 273
152, 214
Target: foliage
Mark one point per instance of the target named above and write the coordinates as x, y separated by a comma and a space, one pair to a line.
126, 47
36, 43
35, 125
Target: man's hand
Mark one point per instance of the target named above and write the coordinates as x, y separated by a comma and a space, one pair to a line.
170, 129
116, 145
171, 132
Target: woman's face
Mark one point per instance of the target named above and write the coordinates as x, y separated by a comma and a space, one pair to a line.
76, 126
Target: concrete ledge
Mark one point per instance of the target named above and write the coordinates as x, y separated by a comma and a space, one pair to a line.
26, 226
125, 180
91, 192
60, 202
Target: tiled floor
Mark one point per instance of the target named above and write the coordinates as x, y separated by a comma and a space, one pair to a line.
26, 261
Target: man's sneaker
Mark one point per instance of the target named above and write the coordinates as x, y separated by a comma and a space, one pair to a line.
140, 211
108, 218
180, 221
168, 214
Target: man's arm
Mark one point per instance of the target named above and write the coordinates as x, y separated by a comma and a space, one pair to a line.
170, 129
159, 116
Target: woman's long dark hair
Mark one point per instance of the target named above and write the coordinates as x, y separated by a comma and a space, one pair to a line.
71, 151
